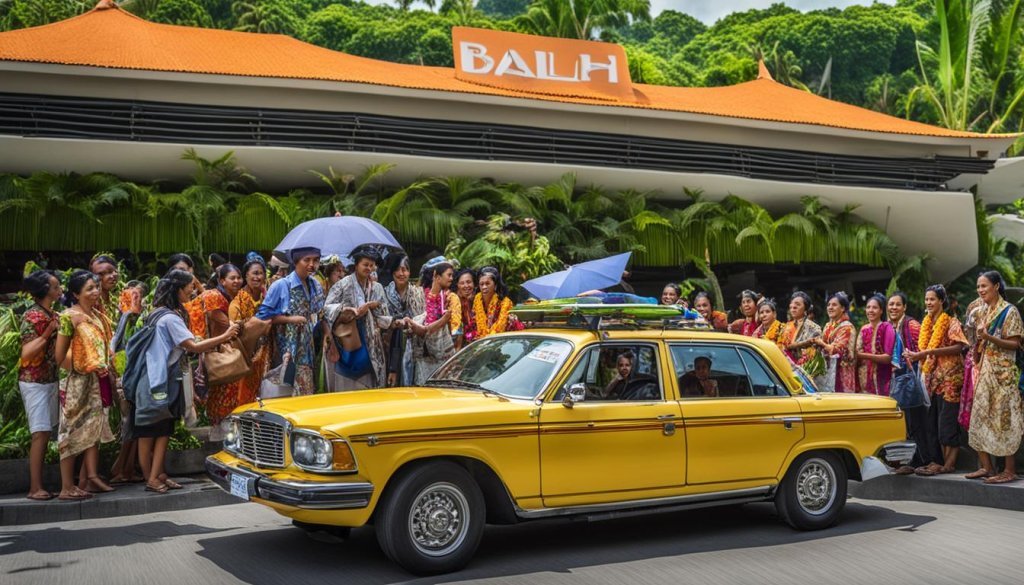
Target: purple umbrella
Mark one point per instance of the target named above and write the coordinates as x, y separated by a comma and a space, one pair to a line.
592, 275
336, 235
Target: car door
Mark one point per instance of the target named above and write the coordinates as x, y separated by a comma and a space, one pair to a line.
746, 429
612, 449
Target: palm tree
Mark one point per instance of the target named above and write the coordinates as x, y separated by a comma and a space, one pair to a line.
461, 12
265, 16
951, 91
581, 19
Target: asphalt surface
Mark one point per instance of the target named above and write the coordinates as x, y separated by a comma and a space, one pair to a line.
875, 543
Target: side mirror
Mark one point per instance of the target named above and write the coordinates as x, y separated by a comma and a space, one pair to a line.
575, 393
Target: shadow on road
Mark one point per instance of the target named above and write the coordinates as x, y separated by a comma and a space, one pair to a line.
58, 540
287, 554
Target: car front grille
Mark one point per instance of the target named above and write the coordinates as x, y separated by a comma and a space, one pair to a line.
262, 441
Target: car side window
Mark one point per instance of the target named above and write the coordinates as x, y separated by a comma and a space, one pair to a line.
617, 372
762, 382
709, 371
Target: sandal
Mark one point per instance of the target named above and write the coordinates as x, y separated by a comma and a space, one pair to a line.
43, 496
160, 489
979, 474
99, 485
171, 484
75, 494
904, 470
1001, 478
928, 470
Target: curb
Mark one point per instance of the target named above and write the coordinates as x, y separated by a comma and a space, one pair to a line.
942, 489
128, 500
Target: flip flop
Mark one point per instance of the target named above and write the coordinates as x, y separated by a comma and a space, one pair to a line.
159, 490
40, 498
1001, 478
75, 497
979, 474
171, 484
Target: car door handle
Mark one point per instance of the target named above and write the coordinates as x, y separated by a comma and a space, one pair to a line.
667, 417
789, 421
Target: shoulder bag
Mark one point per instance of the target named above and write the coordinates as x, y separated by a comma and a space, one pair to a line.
227, 363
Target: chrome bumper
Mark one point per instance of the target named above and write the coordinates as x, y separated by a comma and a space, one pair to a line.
901, 452
300, 494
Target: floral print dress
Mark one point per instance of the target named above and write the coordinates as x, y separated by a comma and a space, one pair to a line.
872, 377
242, 308
841, 335
83, 421
997, 418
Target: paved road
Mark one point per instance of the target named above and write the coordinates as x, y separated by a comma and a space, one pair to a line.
876, 543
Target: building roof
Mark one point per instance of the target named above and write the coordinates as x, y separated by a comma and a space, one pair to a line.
110, 37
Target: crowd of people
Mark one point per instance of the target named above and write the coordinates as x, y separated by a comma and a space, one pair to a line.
317, 324
968, 372
321, 324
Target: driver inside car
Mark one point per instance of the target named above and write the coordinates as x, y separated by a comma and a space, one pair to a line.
698, 382
623, 368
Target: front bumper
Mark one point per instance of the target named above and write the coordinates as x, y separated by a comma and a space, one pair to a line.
900, 452
299, 494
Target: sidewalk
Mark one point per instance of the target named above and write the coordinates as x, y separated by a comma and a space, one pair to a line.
950, 488
127, 500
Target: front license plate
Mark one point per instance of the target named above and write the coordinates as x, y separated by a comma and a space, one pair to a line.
240, 486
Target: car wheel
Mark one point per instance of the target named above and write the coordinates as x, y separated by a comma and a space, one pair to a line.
431, 519
813, 492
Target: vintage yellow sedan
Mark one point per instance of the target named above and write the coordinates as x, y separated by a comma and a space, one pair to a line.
556, 422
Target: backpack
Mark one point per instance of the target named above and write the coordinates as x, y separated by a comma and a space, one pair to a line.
135, 356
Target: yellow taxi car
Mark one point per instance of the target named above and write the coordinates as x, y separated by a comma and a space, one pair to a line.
557, 421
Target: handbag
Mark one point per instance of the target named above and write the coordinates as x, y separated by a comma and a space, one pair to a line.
276, 382
348, 335
353, 363
226, 364
106, 391
906, 389
828, 379
996, 326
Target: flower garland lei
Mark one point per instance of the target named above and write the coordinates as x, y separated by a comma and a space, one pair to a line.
772, 334
932, 333
494, 320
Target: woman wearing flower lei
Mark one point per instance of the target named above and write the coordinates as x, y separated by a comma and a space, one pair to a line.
770, 327
441, 323
874, 350
465, 288
748, 307
798, 335
491, 306
941, 353
838, 343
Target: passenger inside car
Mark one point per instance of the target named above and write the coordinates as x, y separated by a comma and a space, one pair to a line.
623, 372
698, 382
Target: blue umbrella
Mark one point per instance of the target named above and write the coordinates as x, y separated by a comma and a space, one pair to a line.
592, 275
336, 235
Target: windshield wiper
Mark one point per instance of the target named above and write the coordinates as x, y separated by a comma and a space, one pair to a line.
455, 383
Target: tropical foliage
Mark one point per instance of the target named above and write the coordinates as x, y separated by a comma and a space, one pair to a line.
950, 62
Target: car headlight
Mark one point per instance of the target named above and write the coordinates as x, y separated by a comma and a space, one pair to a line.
233, 436
313, 452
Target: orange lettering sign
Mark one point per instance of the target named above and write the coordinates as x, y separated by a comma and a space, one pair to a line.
544, 65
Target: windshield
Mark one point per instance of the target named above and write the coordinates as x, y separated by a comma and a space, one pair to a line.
516, 366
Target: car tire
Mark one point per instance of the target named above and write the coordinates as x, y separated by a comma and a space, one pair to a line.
813, 492
431, 520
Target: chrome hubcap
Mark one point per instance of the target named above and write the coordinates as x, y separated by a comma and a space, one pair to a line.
816, 486
439, 519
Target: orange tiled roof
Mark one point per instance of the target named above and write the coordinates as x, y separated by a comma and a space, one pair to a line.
108, 36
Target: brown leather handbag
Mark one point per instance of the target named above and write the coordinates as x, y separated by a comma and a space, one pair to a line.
347, 330
226, 364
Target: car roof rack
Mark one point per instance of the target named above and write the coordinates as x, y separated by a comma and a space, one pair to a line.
605, 317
